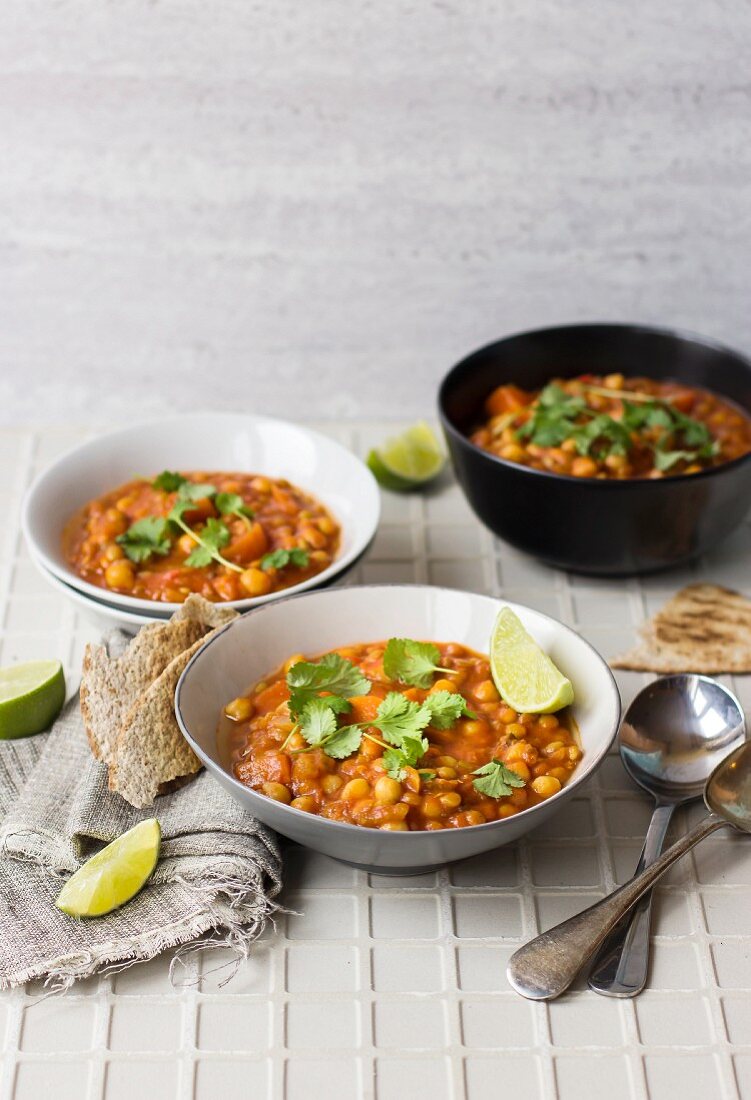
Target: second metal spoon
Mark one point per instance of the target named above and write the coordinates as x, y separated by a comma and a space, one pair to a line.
673, 736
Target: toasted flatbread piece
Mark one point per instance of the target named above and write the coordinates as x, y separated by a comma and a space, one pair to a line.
127, 702
704, 628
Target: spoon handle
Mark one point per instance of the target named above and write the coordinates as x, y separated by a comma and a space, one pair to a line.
621, 966
547, 966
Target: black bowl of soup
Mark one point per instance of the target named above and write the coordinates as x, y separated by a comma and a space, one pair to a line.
603, 449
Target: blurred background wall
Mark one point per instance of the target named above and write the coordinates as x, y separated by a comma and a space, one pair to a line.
313, 207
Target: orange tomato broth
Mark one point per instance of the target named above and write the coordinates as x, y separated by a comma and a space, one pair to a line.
541, 749
509, 407
285, 518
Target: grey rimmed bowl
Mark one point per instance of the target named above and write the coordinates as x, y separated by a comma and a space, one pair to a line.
250, 647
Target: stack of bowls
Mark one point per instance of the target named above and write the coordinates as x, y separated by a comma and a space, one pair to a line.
199, 441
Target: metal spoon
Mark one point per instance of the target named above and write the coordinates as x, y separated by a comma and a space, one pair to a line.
547, 966
674, 734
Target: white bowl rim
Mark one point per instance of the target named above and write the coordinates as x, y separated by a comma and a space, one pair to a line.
87, 603
370, 502
593, 761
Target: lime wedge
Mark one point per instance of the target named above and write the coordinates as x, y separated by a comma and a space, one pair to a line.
114, 875
524, 675
408, 460
31, 697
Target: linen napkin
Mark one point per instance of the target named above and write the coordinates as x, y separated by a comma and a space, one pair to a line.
215, 881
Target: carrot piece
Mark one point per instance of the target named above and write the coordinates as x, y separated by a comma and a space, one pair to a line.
364, 708
507, 399
271, 697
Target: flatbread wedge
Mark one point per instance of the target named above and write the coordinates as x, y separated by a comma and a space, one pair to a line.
127, 703
704, 628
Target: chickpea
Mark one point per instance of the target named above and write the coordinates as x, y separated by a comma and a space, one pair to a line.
356, 788
331, 783
113, 522
515, 729
295, 659
112, 552
507, 810
119, 574
519, 798
583, 467
548, 722
387, 790
616, 462
306, 766
313, 537
507, 715
473, 817
411, 798
447, 761
395, 827
255, 582
442, 685
552, 748
240, 709
326, 525
277, 791
521, 770
451, 800
261, 484
512, 452
446, 773
432, 806
487, 692
546, 785
186, 545
473, 728
614, 381
560, 774
305, 802
574, 753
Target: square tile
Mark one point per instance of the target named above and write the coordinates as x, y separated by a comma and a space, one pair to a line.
483, 969
410, 1025
56, 1024
742, 1067
724, 860
726, 914
494, 1024
148, 977
737, 1013
453, 541
521, 1076
313, 969
586, 1022
483, 916
675, 966
585, 1076
397, 882
66, 1080
243, 1025
628, 817
144, 1026
469, 575
400, 917
389, 572
626, 856
321, 917
573, 820
306, 1077
498, 868
393, 541
316, 1025
419, 1079
733, 964
230, 1080
304, 868
672, 913
220, 972
681, 1021
674, 1075
407, 969
555, 865
127, 1078
554, 908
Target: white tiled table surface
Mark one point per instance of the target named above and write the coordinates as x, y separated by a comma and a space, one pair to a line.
390, 988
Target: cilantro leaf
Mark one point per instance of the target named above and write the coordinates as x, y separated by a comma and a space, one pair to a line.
399, 718
212, 538
332, 673
496, 780
169, 481
317, 721
411, 662
278, 559
344, 742
406, 756
232, 504
145, 537
189, 491
446, 708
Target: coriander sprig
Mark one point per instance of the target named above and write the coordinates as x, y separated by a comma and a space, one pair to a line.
496, 780
412, 662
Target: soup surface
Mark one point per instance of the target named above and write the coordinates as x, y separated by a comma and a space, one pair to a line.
226, 536
401, 735
613, 427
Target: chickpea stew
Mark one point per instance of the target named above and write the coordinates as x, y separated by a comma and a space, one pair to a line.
398, 735
225, 536
614, 428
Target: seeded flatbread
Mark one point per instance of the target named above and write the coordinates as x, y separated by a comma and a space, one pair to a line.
704, 628
127, 702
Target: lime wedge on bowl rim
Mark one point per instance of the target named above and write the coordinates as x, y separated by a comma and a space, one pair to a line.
31, 697
525, 676
409, 460
114, 875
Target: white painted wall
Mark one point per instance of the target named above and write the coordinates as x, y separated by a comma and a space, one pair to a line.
316, 206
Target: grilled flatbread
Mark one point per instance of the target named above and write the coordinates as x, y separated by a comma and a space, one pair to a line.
703, 628
127, 702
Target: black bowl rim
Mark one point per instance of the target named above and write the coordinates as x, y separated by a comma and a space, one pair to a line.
601, 484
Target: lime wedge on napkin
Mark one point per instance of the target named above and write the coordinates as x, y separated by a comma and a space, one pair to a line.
114, 875
408, 460
524, 675
31, 697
